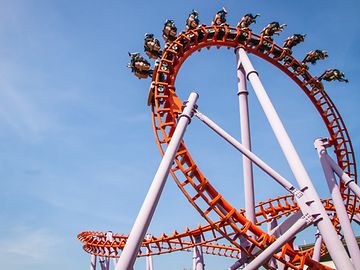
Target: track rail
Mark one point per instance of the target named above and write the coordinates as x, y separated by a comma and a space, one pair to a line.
194, 185
226, 223
96, 243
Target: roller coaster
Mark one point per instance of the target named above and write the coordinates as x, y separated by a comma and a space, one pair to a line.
285, 216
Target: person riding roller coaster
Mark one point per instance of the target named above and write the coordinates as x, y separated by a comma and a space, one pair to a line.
272, 29
169, 31
139, 66
192, 21
333, 75
246, 21
220, 18
292, 41
152, 46
313, 56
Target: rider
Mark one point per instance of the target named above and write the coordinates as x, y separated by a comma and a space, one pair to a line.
152, 46
169, 31
246, 20
192, 21
220, 18
139, 66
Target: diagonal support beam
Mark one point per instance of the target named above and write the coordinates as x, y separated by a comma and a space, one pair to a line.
297, 227
317, 247
261, 164
348, 181
330, 237
286, 224
148, 207
339, 203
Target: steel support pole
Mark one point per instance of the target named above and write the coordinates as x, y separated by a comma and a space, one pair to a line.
239, 264
330, 237
103, 264
111, 251
286, 224
270, 227
317, 247
149, 262
348, 181
198, 258
93, 260
243, 256
146, 212
340, 209
282, 240
261, 164
246, 141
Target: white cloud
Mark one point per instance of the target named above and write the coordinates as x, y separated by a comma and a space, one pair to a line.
32, 246
19, 113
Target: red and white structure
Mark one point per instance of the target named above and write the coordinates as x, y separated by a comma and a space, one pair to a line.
285, 216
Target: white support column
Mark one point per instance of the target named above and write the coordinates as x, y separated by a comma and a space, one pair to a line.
93, 260
317, 247
344, 177
286, 224
246, 141
147, 210
339, 204
255, 159
103, 264
244, 258
198, 258
149, 262
111, 251
274, 247
330, 237
271, 230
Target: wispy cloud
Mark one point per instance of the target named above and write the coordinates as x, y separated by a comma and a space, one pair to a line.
33, 246
18, 113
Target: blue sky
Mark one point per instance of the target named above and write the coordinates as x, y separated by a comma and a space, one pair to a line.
77, 149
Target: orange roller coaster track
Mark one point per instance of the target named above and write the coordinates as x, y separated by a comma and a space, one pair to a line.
225, 221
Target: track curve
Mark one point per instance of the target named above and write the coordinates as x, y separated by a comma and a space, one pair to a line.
226, 222
195, 186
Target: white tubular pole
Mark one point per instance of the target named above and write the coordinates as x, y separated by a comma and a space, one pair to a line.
259, 260
330, 237
278, 230
344, 177
270, 227
243, 256
110, 238
339, 205
261, 164
149, 262
317, 247
198, 258
93, 260
246, 141
142, 222
103, 264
